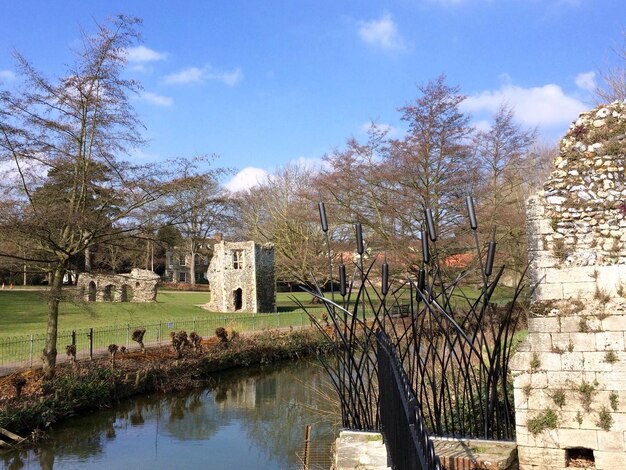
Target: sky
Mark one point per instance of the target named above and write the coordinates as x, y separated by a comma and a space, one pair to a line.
266, 83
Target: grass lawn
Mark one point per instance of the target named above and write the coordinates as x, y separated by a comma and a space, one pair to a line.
24, 312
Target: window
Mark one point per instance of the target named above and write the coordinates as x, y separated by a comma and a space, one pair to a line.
182, 261
182, 277
237, 259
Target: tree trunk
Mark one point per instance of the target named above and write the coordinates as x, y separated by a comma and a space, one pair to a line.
192, 269
87, 260
50, 350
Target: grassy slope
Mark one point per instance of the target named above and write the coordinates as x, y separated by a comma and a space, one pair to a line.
24, 312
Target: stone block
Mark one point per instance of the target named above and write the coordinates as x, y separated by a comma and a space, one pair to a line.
544, 325
611, 381
578, 289
609, 340
610, 460
571, 323
541, 457
550, 361
539, 399
360, 450
614, 323
521, 400
611, 441
578, 438
540, 341
583, 342
521, 360
545, 291
561, 341
619, 419
569, 418
574, 361
594, 361
537, 379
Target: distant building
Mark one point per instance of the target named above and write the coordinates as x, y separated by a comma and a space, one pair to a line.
178, 264
242, 278
140, 285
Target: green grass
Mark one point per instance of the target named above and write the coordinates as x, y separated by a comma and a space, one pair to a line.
25, 312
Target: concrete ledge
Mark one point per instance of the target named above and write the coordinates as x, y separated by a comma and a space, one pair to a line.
360, 450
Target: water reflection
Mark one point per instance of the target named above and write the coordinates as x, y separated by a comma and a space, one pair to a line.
254, 421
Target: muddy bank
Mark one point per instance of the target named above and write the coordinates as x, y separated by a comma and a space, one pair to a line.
98, 383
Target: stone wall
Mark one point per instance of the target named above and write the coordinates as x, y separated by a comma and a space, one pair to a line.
138, 286
569, 375
241, 277
576, 224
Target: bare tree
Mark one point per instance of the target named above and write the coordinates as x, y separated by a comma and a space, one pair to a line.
431, 166
282, 211
68, 186
198, 207
505, 159
613, 87
357, 188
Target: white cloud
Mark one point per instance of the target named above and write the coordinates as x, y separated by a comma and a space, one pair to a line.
6, 75
199, 75
155, 99
310, 163
483, 125
545, 105
143, 54
189, 75
382, 33
246, 179
384, 127
586, 81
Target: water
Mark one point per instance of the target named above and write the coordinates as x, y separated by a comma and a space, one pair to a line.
251, 418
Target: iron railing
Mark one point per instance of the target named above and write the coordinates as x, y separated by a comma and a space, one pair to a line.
401, 424
25, 351
454, 348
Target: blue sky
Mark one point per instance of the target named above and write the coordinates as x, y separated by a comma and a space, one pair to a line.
263, 83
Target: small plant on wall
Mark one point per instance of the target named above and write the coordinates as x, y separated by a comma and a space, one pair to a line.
547, 419
605, 420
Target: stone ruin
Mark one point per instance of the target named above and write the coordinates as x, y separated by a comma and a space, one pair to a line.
242, 278
570, 373
138, 286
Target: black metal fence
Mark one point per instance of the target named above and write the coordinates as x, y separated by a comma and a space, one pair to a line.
408, 443
452, 341
17, 352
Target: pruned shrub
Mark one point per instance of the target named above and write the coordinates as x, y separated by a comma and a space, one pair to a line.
137, 337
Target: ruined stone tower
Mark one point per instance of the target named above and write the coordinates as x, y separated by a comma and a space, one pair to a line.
570, 373
242, 279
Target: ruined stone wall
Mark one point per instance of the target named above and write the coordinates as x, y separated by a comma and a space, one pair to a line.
254, 277
265, 278
138, 286
576, 224
569, 375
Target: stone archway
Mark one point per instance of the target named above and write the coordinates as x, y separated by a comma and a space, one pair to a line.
126, 293
108, 294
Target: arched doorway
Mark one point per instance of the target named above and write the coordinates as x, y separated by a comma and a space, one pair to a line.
238, 299
126, 294
92, 292
108, 294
